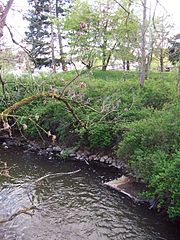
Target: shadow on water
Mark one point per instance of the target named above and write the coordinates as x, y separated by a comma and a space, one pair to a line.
70, 207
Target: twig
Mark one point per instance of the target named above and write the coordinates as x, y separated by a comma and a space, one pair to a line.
24, 210
56, 175
122, 6
15, 42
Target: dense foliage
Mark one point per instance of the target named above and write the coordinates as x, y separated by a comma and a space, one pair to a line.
174, 50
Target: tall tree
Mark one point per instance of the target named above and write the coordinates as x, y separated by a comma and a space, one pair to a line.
174, 51
45, 30
97, 31
128, 35
143, 45
161, 32
174, 55
38, 36
82, 37
61, 10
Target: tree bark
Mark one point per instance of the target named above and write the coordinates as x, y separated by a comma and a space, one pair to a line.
61, 50
124, 65
161, 60
143, 46
3, 86
4, 16
104, 64
53, 64
127, 65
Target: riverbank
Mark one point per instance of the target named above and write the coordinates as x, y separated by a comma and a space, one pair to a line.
108, 116
131, 188
126, 183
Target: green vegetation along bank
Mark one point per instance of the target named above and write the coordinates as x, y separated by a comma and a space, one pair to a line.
108, 112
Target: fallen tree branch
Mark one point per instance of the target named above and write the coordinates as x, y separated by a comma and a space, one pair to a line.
17, 105
22, 211
52, 175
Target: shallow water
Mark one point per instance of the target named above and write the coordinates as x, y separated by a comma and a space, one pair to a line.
71, 207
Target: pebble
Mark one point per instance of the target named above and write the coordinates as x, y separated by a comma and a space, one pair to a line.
72, 155
56, 149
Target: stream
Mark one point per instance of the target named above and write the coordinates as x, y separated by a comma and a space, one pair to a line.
74, 206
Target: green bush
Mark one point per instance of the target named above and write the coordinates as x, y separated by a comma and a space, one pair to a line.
99, 135
162, 173
152, 145
161, 131
152, 97
57, 118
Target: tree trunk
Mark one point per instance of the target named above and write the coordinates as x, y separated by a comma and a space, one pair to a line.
61, 50
104, 65
3, 86
127, 65
124, 65
107, 57
104, 56
143, 45
4, 16
52, 49
161, 61
53, 64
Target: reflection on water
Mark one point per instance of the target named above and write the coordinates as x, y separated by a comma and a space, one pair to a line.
70, 207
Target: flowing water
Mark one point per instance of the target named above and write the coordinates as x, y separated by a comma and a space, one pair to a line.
71, 206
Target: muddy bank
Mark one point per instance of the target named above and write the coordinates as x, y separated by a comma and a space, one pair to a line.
63, 152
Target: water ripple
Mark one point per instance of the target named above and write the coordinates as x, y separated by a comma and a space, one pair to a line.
71, 207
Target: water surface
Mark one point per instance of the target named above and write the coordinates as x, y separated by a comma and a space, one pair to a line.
71, 207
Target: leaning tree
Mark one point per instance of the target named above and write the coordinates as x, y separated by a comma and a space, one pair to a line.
4, 10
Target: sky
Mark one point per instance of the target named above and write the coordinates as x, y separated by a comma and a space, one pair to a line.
18, 25
173, 8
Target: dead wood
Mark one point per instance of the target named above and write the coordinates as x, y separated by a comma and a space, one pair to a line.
17, 105
52, 175
22, 211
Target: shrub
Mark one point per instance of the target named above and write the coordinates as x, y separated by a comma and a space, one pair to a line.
161, 131
99, 135
162, 173
152, 97
152, 145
